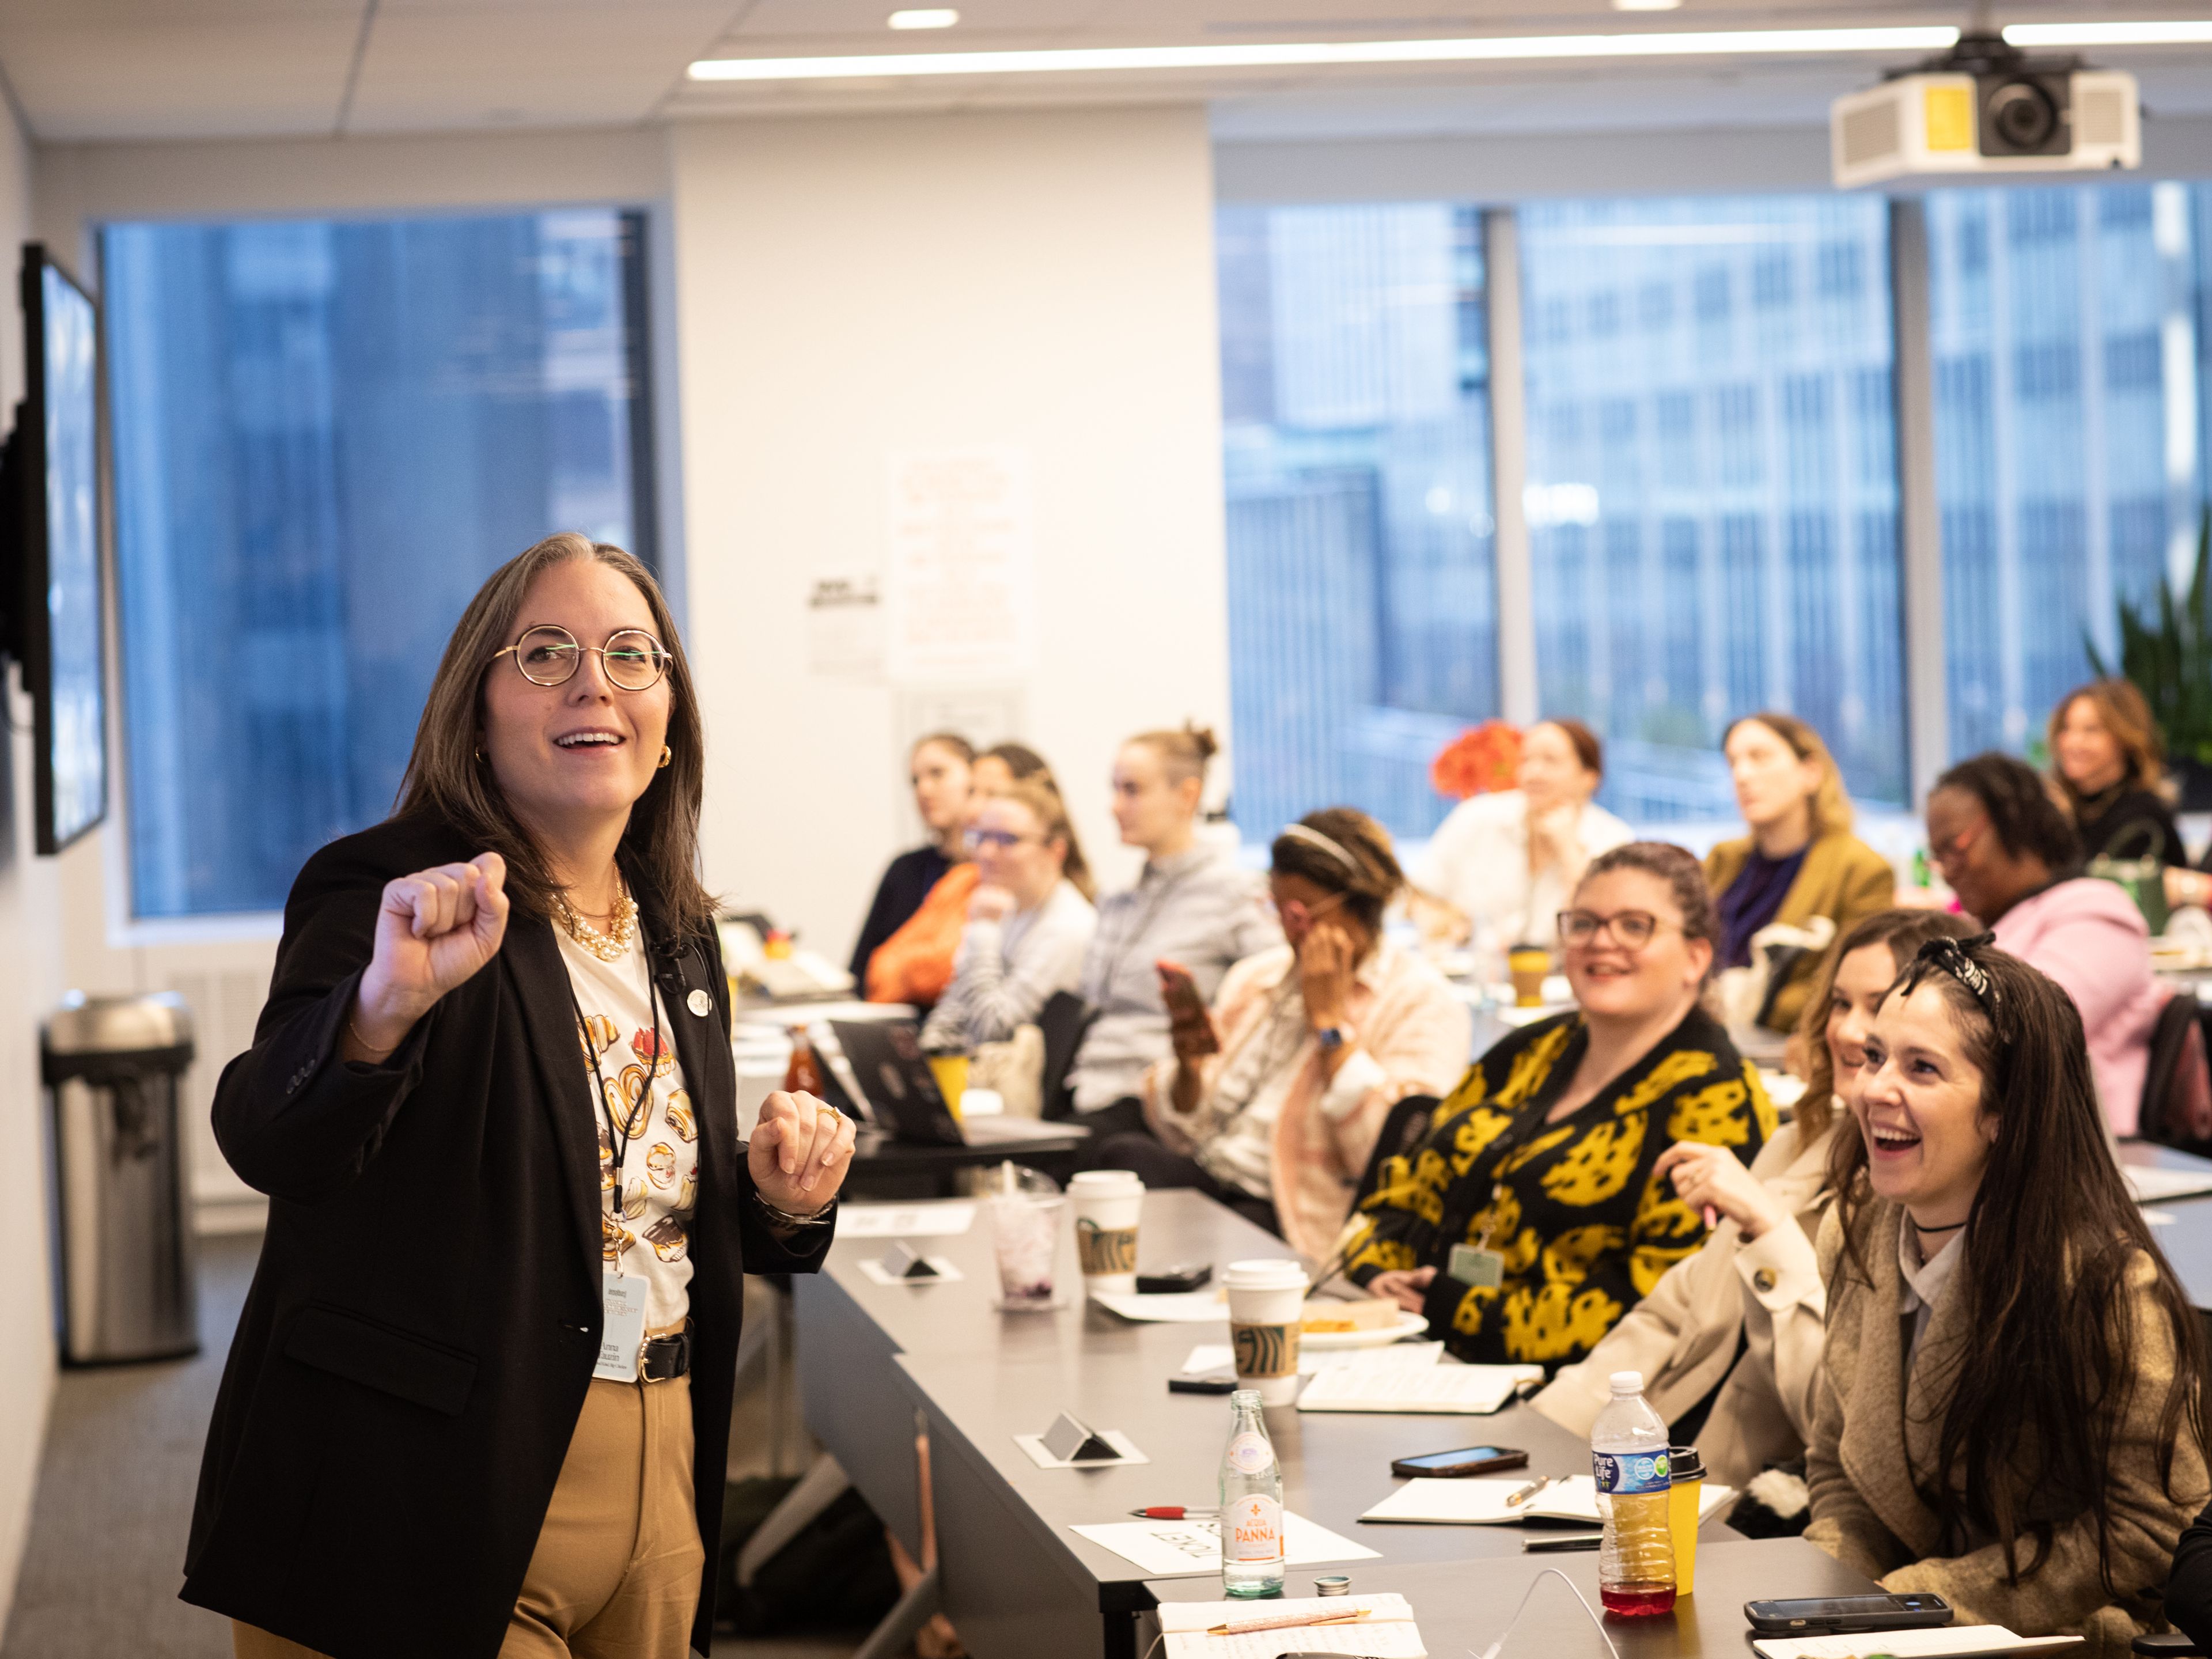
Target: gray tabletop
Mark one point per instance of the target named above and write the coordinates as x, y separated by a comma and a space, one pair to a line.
1465, 1607
2182, 1226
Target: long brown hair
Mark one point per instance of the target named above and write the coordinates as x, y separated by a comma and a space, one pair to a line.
1903, 932
445, 780
2124, 712
2033, 1402
1830, 804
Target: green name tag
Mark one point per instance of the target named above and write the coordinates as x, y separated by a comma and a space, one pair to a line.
1485, 1270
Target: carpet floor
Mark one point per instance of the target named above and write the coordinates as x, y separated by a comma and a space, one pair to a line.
105, 1557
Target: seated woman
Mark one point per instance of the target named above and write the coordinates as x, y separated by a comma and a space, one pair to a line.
1800, 862
2010, 1407
915, 963
1502, 867
1729, 1340
938, 770
1028, 924
1533, 1216
1272, 1102
2106, 764
1192, 905
2011, 857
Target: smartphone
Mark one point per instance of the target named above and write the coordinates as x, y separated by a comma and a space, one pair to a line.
1822, 1615
1171, 1281
1467, 1459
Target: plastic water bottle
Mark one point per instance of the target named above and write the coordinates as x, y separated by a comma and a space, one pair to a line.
1252, 1504
1628, 1456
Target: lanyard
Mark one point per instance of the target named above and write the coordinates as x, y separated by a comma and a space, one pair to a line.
620, 1136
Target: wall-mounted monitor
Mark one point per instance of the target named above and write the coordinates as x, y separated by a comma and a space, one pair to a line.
52, 550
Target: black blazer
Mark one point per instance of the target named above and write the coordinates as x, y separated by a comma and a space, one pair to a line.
422, 1328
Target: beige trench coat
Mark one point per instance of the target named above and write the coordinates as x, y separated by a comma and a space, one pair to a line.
1684, 1336
1870, 1409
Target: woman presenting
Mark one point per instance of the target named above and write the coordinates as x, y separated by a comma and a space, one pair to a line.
479, 1397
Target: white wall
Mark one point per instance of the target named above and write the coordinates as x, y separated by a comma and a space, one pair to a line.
850, 288
30, 981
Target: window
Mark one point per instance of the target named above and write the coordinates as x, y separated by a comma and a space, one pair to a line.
326, 435
2069, 431
1363, 622
1712, 506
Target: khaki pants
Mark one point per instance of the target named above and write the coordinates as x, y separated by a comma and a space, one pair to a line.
616, 1572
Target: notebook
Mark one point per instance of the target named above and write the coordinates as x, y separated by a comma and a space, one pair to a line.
1387, 1632
1941, 1643
1480, 1501
1473, 1390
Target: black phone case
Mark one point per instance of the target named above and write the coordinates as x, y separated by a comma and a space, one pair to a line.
1509, 1460
1850, 1623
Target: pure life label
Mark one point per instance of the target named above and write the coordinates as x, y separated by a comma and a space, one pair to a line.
1636, 1472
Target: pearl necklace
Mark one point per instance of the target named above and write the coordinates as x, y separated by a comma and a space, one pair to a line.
613, 944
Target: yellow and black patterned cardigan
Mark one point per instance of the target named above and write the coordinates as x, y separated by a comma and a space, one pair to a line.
1585, 1229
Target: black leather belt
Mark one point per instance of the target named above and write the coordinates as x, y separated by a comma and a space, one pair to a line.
665, 1357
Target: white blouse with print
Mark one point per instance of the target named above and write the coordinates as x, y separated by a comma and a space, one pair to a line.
645, 1228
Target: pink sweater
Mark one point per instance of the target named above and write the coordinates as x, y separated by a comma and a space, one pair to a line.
2087, 935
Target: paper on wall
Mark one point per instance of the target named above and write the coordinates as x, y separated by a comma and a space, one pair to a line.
958, 604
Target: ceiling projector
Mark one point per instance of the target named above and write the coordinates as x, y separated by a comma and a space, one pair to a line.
1986, 106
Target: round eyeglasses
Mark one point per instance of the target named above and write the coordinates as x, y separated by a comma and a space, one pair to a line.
632, 659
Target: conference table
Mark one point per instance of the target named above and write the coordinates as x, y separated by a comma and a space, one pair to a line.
882, 1363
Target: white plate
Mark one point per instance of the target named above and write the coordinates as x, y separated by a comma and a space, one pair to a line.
1409, 1324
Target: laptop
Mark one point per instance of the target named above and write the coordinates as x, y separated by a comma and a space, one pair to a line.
893, 1073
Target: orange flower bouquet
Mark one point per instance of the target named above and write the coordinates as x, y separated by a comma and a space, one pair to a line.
1479, 760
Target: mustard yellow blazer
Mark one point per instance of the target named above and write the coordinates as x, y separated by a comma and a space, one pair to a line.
1842, 877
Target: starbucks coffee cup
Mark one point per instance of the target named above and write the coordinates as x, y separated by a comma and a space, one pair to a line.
1266, 1301
1106, 1205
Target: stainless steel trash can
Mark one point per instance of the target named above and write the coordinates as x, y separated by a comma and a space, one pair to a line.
126, 1254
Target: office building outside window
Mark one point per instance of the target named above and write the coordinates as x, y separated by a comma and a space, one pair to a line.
326, 435
1712, 484
2069, 347
1362, 578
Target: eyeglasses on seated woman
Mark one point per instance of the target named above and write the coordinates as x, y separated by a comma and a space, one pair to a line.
492, 1339
1535, 1214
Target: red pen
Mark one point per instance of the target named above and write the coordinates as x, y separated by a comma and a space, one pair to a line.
1174, 1512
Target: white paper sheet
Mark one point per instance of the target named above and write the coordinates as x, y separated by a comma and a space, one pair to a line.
1168, 1548
1388, 1631
2151, 1185
1944, 1639
1470, 1389
1183, 1308
1219, 1356
905, 1220
1480, 1500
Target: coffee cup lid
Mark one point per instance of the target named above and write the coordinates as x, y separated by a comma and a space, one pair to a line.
1117, 1181
1271, 1274
1684, 1463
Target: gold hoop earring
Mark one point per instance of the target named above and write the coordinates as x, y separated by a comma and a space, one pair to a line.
667, 754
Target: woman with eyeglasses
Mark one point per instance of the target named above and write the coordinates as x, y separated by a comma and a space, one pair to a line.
2012, 857
1729, 1341
2010, 1411
1028, 924
1271, 1100
478, 1402
1535, 1213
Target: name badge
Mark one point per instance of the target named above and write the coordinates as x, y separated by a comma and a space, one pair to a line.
1470, 1264
621, 1330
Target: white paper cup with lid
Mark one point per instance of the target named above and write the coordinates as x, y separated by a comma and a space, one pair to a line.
1266, 1301
1107, 1203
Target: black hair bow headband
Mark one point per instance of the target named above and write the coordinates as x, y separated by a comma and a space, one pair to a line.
1951, 956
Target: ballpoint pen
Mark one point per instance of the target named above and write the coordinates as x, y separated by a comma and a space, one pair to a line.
1287, 1621
1529, 1490
1175, 1512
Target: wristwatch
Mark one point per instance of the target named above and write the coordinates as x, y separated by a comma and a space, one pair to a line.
1333, 1037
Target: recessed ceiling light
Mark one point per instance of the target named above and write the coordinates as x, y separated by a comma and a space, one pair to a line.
925, 17
1496, 48
1645, 5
